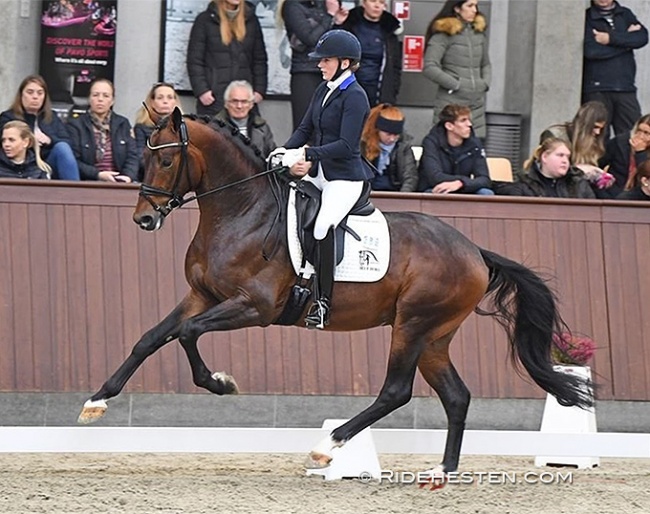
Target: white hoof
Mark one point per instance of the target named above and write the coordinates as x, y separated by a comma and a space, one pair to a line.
228, 382
92, 411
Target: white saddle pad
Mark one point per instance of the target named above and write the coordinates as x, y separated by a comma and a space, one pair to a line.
364, 261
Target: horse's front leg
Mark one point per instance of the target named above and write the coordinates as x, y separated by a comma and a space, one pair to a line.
231, 314
154, 339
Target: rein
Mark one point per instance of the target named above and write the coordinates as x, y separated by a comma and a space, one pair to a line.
176, 200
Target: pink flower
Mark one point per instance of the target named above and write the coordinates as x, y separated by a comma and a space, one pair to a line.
572, 349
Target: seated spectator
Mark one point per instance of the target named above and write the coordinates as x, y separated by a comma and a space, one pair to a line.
548, 173
161, 99
32, 105
586, 137
377, 29
20, 156
239, 99
101, 139
625, 153
638, 186
453, 159
388, 148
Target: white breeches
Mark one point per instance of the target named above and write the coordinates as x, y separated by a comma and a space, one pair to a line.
339, 196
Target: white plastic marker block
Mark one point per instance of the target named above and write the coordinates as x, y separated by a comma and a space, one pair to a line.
568, 420
356, 458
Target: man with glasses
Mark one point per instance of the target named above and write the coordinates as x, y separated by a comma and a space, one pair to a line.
239, 101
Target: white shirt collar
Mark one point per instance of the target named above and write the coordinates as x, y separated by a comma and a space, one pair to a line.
334, 84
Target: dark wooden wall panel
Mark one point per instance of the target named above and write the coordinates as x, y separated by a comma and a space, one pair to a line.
80, 284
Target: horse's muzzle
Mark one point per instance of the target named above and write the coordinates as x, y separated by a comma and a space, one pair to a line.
149, 220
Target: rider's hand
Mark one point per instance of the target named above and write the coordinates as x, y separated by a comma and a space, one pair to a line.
275, 157
293, 156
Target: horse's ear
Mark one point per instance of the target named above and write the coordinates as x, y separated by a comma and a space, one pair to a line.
177, 118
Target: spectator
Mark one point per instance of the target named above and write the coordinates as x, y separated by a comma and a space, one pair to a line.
305, 23
161, 99
32, 105
638, 185
625, 153
225, 44
457, 61
586, 138
101, 139
380, 73
549, 173
20, 156
388, 148
453, 159
239, 100
612, 33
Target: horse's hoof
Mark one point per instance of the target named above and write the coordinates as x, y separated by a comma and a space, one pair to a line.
92, 411
228, 382
317, 460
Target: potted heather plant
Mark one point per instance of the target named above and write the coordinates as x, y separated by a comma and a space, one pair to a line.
572, 350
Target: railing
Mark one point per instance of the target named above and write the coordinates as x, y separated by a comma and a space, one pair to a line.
79, 283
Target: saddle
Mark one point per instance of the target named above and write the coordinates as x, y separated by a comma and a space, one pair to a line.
308, 202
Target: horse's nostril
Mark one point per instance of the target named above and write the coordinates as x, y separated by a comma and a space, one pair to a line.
146, 221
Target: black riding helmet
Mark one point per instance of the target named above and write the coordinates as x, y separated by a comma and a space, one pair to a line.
337, 43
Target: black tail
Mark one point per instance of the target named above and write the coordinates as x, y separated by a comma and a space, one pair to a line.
526, 308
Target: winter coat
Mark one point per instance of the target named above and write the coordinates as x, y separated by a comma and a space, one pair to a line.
141, 133
211, 65
442, 163
457, 61
305, 23
402, 170
611, 67
335, 130
125, 153
28, 169
259, 131
636, 193
55, 129
618, 152
532, 183
391, 76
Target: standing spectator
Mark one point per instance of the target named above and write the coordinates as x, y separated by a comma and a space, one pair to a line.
305, 22
239, 100
380, 73
225, 44
32, 105
453, 159
457, 61
20, 156
388, 148
101, 139
586, 137
638, 186
161, 99
612, 33
548, 173
625, 153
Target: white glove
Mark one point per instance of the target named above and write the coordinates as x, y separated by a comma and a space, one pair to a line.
275, 157
293, 156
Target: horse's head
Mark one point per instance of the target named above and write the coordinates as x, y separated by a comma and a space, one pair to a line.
170, 172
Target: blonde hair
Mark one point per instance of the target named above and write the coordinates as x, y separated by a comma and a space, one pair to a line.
235, 28
142, 116
585, 147
548, 145
370, 134
26, 133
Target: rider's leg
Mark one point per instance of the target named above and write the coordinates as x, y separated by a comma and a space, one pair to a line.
325, 264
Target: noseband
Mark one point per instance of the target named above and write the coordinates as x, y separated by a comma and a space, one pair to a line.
175, 199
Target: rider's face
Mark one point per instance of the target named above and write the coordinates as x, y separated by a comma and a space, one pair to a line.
329, 65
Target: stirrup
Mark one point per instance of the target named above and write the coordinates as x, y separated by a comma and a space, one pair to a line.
319, 314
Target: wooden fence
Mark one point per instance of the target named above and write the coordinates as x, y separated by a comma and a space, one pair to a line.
79, 283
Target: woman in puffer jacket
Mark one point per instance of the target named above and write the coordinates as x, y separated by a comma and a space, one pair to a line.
457, 61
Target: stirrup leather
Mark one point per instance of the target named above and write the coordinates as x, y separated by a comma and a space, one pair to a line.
319, 314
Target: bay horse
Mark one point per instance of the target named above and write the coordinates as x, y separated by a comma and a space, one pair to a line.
435, 279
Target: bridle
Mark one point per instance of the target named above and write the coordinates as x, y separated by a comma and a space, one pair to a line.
175, 199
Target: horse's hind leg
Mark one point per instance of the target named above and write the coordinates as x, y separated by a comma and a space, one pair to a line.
439, 372
150, 342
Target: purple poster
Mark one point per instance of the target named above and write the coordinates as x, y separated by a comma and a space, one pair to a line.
77, 46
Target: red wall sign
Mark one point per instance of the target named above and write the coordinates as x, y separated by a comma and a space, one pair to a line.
413, 59
402, 10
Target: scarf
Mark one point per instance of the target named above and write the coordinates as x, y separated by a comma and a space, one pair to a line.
102, 130
384, 156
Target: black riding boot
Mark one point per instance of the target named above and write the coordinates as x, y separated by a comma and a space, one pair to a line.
319, 313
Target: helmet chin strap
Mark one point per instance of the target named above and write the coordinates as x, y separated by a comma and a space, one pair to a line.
339, 70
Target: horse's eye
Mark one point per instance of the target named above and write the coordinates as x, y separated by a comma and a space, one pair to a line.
166, 163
